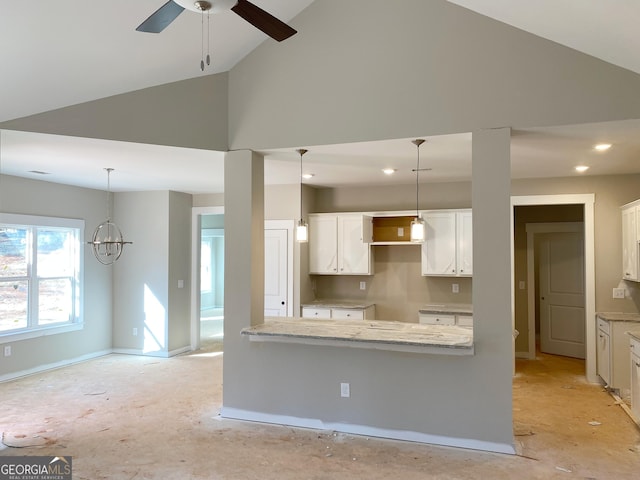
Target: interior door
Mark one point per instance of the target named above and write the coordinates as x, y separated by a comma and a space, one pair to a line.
562, 300
275, 272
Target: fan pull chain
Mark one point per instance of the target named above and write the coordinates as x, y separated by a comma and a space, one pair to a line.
202, 41
208, 41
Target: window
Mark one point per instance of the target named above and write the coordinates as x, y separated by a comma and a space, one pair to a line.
40, 276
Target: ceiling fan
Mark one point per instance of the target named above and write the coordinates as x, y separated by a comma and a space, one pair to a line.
264, 21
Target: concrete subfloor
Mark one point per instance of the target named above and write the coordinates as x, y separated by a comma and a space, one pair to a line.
129, 417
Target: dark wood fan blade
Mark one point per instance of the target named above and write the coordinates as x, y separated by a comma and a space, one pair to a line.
161, 18
276, 29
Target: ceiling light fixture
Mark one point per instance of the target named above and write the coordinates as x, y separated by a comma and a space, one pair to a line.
307, 176
582, 168
417, 225
107, 241
602, 147
302, 229
389, 171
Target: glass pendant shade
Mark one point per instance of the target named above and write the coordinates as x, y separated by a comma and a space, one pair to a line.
417, 230
302, 232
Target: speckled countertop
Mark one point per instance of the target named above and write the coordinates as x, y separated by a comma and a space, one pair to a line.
619, 316
634, 334
374, 334
449, 308
337, 303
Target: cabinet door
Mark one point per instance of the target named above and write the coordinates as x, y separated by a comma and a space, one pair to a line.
323, 244
603, 356
439, 248
465, 243
635, 377
353, 253
629, 244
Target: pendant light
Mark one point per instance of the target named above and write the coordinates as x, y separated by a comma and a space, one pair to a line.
302, 229
417, 225
107, 241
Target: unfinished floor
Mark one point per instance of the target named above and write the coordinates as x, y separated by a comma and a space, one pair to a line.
128, 417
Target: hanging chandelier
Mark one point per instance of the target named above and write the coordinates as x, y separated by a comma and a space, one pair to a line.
107, 242
302, 229
417, 225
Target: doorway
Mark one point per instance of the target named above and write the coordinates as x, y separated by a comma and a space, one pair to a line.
212, 283
522, 283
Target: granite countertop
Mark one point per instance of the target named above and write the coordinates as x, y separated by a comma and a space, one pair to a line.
634, 334
415, 337
449, 308
338, 303
619, 316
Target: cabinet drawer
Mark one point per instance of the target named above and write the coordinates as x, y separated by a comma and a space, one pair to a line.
430, 319
465, 320
347, 314
603, 325
324, 313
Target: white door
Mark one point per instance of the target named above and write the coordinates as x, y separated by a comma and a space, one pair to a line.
562, 312
275, 272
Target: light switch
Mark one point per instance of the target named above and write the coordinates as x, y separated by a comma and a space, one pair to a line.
180, 283
521, 285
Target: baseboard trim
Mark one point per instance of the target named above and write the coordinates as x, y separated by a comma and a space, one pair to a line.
52, 366
524, 355
410, 436
160, 354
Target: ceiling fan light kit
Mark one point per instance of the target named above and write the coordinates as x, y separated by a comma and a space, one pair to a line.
262, 20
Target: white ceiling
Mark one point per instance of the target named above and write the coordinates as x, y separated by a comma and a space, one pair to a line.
113, 58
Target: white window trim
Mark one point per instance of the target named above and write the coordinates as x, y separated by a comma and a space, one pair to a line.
30, 220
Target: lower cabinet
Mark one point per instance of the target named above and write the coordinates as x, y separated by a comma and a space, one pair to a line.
445, 319
336, 313
635, 376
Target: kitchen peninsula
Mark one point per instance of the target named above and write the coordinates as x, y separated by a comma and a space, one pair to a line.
372, 334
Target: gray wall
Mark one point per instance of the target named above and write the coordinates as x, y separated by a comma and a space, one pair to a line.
433, 69
190, 113
31, 197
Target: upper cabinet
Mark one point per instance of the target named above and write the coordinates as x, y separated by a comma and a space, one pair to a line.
337, 244
630, 239
448, 249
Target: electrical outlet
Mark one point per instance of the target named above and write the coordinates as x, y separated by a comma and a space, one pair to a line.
400, 232
7, 350
345, 390
455, 288
618, 293
522, 285
180, 283
363, 285
135, 332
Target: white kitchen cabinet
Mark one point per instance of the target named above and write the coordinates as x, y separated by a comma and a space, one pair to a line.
437, 319
612, 350
630, 238
603, 351
339, 313
635, 376
448, 248
336, 245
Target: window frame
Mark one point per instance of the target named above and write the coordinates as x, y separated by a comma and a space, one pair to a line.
77, 323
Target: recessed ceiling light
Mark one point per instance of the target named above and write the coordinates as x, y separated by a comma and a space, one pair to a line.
582, 168
389, 171
602, 147
308, 175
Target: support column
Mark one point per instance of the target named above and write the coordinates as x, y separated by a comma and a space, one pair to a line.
493, 329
